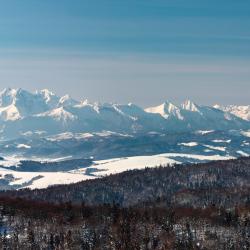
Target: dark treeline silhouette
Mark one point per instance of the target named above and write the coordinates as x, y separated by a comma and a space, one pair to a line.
195, 206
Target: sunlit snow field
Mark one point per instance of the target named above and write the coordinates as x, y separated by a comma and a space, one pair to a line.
99, 169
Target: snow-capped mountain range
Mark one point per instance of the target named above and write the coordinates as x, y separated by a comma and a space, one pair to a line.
46, 139
240, 111
44, 112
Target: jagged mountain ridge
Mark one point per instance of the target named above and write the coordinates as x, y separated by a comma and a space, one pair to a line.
22, 111
242, 111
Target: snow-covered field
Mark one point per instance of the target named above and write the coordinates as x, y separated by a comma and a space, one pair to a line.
15, 160
215, 148
246, 133
100, 168
118, 165
242, 153
42, 179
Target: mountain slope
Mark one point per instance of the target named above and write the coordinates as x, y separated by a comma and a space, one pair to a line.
242, 112
190, 116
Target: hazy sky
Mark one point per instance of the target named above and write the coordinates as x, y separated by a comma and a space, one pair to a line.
141, 51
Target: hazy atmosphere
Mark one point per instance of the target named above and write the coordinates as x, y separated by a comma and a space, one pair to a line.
124, 124
143, 52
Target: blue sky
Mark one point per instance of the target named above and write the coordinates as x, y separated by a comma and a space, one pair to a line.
128, 51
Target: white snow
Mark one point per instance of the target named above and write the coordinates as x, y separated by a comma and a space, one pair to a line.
242, 153
244, 143
165, 110
79, 136
15, 160
48, 178
215, 148
30, 133
10, 161
208, 150
246, 133
189, 144
190, 106
40, 132
110, 133
59, 114
86, 104
101, 167
83, 135
221, 141
48, 95
23, 146
43, 109
26, 133
9, 113
204, 132
118, 165
53, 159
60, 137
242, 112
67, 101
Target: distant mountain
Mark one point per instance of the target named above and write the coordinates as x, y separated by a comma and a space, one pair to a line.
167, 110
16, 104
240, 111
190, 116
23, 112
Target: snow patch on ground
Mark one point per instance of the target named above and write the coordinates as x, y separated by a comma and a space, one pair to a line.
189, 144
110, 133
204, 132
15, 160
99, 168
223, 149
10, 161
118, 165
244, 143
221, 141
79, 136
54, 159
23, 146
242, 153
60, 137
208, 150
246, 133
45, 180
69, 135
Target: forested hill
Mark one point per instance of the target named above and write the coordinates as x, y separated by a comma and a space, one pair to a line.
221, 183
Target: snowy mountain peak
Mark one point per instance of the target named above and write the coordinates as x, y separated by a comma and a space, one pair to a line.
190, 106
170, 107
86, 104
59, 114
19, 103
8, 96
47, 93
9, 113
49, 97
241, 111
166, 110
21, 110
9, 91
67, 101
